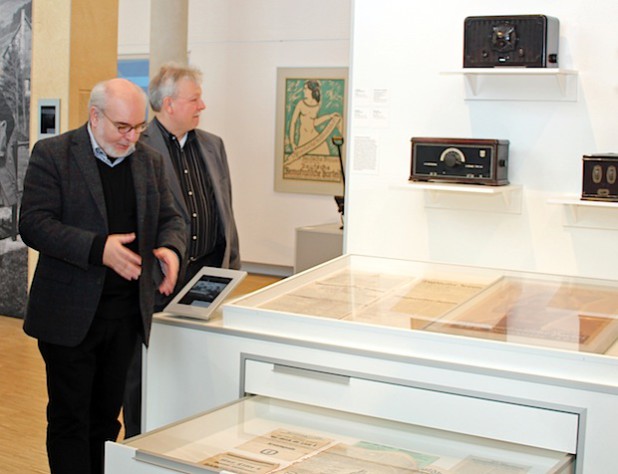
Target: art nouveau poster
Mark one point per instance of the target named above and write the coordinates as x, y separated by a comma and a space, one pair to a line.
311, 111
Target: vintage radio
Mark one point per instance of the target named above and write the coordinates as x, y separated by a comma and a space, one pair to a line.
460, 160
600, 177
523, 41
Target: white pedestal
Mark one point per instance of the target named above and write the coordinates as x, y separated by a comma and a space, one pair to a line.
317, 244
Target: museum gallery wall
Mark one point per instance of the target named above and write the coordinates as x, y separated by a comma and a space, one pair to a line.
15, 60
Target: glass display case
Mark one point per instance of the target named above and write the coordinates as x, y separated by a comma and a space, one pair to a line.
259, 435
546, 311
506, 363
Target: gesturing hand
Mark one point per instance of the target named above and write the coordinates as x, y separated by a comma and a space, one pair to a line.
170, 265
121, 259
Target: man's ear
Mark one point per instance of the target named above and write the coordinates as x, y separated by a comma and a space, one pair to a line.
168, 105
94, 116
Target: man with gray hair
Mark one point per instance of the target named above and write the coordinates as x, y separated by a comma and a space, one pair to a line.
97, 208
199, 180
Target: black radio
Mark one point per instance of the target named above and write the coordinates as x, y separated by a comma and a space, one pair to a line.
600, 177
460, 160
524, 41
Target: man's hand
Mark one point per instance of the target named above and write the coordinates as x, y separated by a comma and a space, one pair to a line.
170, 266
119, 258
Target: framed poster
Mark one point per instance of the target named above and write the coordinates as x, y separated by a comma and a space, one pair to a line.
311, 110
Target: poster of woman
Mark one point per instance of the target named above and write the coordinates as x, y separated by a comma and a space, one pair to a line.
311, 111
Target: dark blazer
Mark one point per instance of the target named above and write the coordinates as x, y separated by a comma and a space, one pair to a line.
215, 159
62, 210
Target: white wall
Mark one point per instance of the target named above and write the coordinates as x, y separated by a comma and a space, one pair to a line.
403, 47
238, 45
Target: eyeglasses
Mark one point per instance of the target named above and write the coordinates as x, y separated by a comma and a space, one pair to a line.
124, 128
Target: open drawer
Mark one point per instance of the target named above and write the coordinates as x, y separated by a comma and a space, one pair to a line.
302, 420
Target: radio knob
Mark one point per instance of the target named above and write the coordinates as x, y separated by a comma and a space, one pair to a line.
453, 158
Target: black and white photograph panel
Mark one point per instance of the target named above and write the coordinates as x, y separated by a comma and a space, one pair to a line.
15, 61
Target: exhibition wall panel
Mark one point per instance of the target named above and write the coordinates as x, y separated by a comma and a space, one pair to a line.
407, 81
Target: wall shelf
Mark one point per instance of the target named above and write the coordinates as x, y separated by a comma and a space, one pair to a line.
588, 214
477, 197
507, 83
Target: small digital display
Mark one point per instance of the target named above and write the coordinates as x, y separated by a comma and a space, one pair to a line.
205, 291
48, 119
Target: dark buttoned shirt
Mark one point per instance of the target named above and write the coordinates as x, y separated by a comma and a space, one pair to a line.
197, 189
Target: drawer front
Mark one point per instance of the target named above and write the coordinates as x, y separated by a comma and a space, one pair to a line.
511, 421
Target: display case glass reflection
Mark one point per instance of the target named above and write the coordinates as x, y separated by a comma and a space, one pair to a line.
564, 315
260, 435
549, 311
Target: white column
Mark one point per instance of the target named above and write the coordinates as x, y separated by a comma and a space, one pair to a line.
168, 33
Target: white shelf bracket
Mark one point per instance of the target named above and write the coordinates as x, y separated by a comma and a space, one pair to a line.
473, 83
531, 83
562, 83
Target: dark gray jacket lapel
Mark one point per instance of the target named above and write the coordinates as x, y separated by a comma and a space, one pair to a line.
154, 138
82, 154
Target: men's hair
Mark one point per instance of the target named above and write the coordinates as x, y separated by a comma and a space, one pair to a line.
100, 94
165, 83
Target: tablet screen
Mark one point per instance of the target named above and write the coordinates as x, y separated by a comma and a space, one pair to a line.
205, 291
201, 296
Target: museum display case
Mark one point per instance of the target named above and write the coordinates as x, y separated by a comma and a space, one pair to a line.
542, 311
260, 435
513, 357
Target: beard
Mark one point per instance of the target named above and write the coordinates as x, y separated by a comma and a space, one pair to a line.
115, 151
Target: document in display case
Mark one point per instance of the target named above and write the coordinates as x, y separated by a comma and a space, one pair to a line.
569, 313
259, 435
558, 314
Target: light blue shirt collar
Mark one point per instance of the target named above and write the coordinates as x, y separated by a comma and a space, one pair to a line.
100, 154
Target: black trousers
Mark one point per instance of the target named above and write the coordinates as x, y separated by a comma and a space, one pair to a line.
132, 406
85, 385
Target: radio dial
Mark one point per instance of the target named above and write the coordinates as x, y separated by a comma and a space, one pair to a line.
452, 157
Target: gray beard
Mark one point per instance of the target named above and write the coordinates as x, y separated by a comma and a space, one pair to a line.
129, 151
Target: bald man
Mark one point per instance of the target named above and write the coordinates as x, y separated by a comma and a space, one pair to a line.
97, 208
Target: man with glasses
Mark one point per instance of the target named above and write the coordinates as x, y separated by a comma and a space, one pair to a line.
97, 208
199, 177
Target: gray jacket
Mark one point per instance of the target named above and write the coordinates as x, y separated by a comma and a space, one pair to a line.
215, 159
